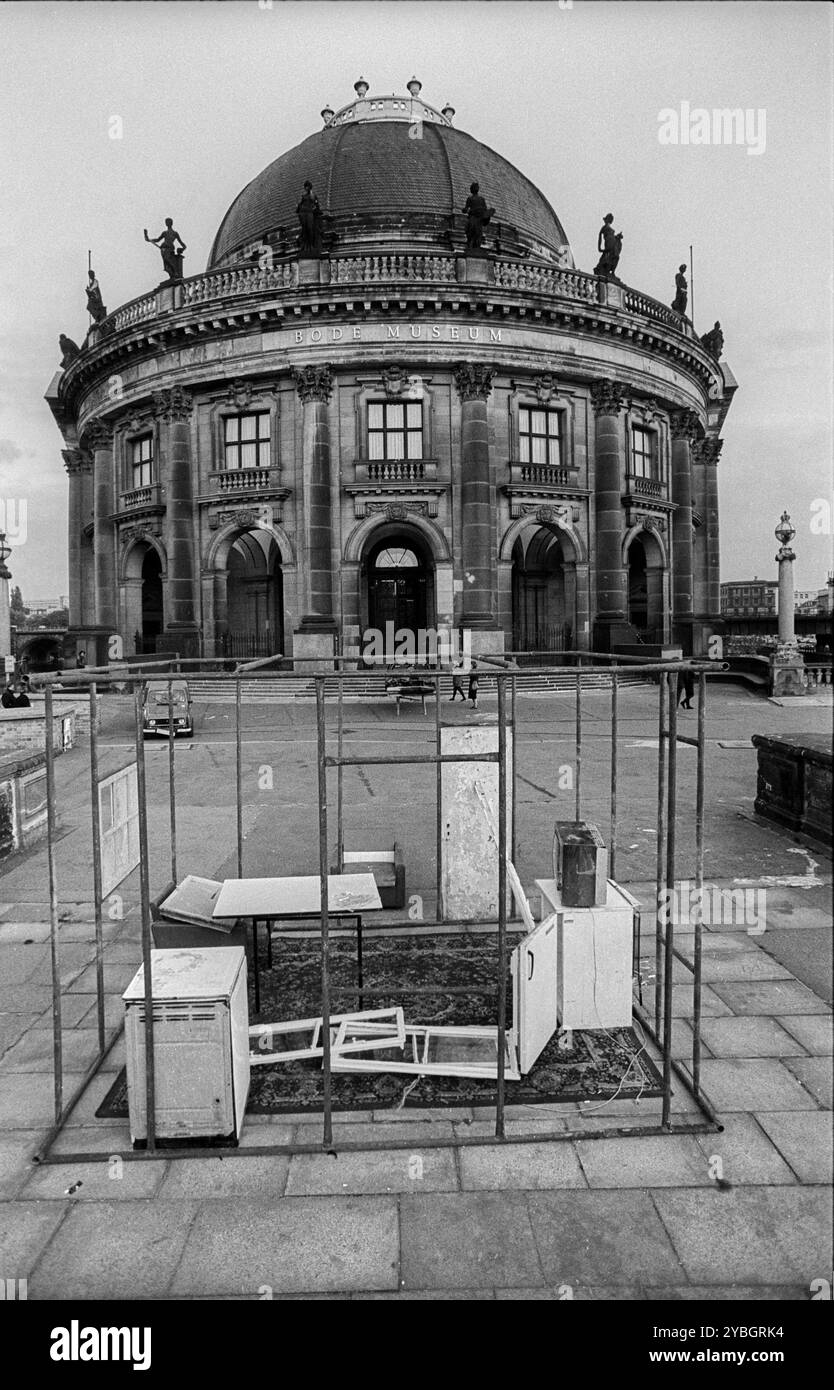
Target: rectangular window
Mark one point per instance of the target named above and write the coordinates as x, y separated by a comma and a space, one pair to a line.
246, 440
141, 459
644, 462
395, 430
539, 435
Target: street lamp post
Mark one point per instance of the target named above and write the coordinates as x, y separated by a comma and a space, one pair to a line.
5, 605
787, 668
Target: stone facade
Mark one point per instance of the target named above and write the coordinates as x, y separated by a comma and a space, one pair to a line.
328, 522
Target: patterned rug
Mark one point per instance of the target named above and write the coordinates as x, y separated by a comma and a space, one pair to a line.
600, 1064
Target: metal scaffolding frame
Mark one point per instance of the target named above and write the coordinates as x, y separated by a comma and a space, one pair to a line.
658, 1028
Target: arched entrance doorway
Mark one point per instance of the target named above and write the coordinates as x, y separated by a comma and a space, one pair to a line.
398, 577
254, 597
542, 613
646, 570
151, 612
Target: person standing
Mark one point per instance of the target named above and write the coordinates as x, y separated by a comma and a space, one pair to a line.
473, 685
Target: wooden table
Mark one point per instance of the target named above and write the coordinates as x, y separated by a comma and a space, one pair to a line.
299, 898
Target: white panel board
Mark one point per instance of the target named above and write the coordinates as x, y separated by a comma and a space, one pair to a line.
118, 818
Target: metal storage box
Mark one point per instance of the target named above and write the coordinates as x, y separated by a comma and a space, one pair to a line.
201, 1044
580, 863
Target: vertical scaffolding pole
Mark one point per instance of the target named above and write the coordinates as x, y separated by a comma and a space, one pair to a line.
145, 894
438, 781
321, 748
96, 867
579, 741
514, 795
699, 888
502, 903
238, 801
340, 825
668, 959
661, 838
57, 1055
612, 856
172, 795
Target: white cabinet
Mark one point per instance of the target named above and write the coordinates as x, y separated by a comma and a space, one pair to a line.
594, 958
201, 1044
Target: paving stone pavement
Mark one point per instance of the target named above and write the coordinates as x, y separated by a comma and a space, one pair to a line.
743, 1212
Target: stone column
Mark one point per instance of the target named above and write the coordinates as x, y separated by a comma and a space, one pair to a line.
787, 666
478, 503
173, 408
684, 426
99, 438
711, 449
608, 399
315, 386
72, 462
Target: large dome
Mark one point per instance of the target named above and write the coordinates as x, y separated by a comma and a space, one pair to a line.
391, 167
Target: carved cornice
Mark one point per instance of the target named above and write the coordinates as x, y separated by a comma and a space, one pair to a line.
685, 424
77, 461
313, 383
608, 397
473, 381
172, 405
97, 435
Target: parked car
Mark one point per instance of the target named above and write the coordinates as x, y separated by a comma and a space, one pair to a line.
156, 716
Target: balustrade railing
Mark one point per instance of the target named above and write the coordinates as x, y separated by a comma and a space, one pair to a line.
370, 270
562, 284
645, 487
547, 474
242, 479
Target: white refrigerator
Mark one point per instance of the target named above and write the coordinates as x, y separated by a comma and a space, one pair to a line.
201, 1044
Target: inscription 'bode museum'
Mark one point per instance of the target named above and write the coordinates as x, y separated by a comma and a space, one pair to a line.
376, 332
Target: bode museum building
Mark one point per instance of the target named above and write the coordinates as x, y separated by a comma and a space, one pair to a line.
391, 398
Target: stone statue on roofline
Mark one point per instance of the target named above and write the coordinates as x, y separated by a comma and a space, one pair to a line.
95, 303
714, 341
167, 242
69, 350
309, 224
610, 244
681, 298
477, 215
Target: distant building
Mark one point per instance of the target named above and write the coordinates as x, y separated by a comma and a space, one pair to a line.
750, 598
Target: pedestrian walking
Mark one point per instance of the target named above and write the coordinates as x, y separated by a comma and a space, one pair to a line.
457, 682
686, 688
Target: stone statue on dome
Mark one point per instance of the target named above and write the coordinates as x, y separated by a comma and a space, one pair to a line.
95, 303
714, 341
69, 350
681, 298
309, 222
167, 243
610, 243
478, 215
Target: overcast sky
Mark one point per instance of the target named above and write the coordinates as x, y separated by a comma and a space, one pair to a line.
208, 94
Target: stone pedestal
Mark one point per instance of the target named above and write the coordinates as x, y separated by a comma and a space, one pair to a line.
472, 270
313, 650
787, 672
313, 272
469, 855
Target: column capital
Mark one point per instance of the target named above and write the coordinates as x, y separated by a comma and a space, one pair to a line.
608, 397
474, 382
98, 435
313, 383
77, 461
707, 450
684, 424
174, 404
